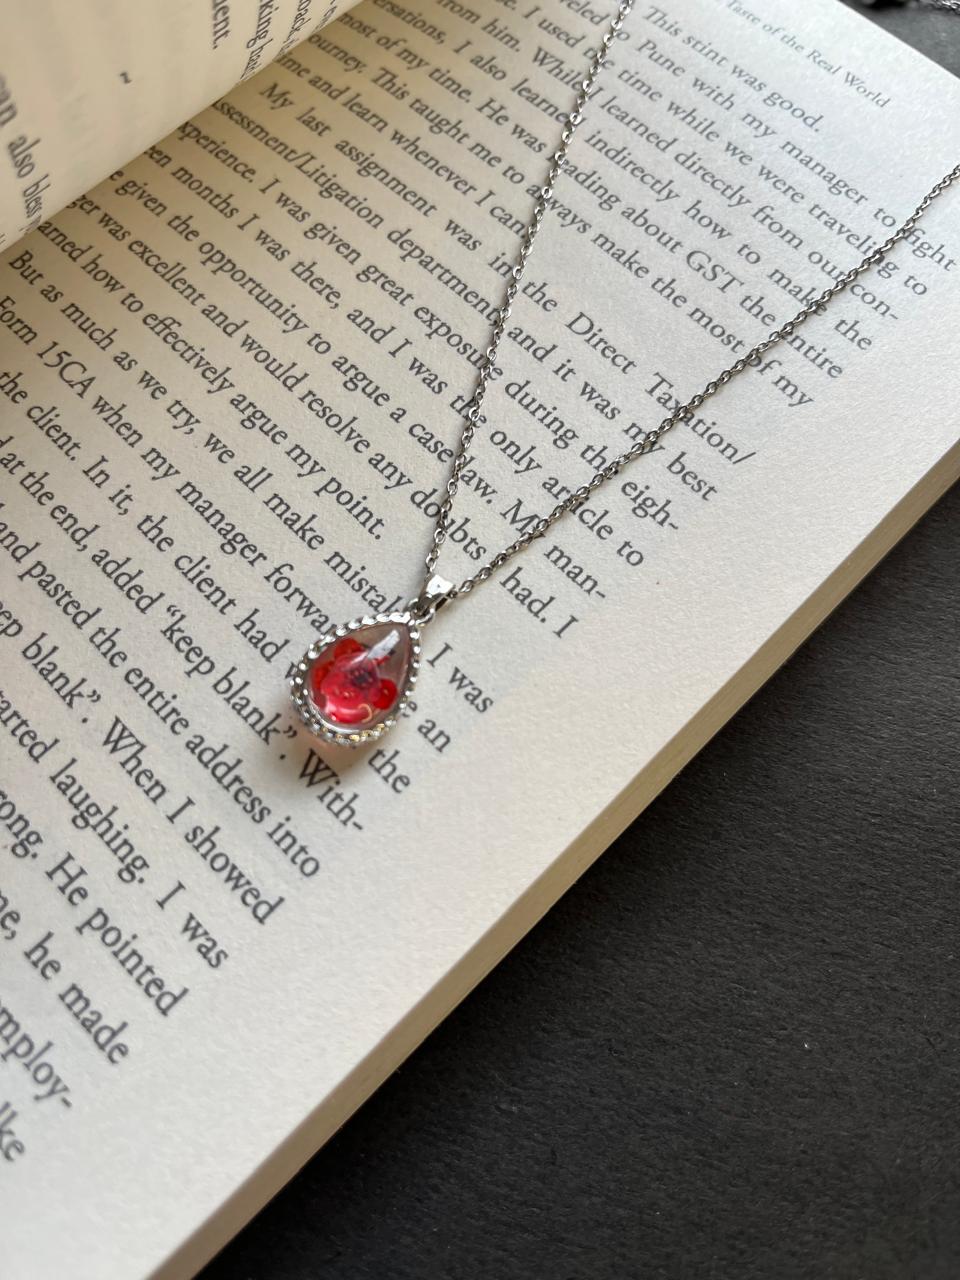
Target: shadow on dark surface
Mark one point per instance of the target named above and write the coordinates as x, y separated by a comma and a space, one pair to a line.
731, 1051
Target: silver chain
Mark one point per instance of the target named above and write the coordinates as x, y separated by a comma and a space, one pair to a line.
649, 439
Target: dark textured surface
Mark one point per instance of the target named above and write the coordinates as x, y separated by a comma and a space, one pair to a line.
732, 1051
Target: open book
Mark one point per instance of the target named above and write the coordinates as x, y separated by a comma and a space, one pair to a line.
233, 353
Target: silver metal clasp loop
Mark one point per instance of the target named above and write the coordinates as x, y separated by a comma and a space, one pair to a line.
432, 597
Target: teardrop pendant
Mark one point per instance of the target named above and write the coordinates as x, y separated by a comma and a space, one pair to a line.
354, 681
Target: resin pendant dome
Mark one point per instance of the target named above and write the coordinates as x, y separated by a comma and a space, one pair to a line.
352, 683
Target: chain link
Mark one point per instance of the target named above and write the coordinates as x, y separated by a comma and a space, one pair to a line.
682, 412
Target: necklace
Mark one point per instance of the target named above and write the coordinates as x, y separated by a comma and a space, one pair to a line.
354, 681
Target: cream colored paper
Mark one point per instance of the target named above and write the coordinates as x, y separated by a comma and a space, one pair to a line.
85, 86
408, 872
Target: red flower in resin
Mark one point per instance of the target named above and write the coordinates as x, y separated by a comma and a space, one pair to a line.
347, 686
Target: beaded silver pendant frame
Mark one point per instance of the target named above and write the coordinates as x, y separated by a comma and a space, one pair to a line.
339, 734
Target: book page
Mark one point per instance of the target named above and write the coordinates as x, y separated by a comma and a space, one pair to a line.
83, 86
232, 377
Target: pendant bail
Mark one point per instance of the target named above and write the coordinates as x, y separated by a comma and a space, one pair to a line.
433, 596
